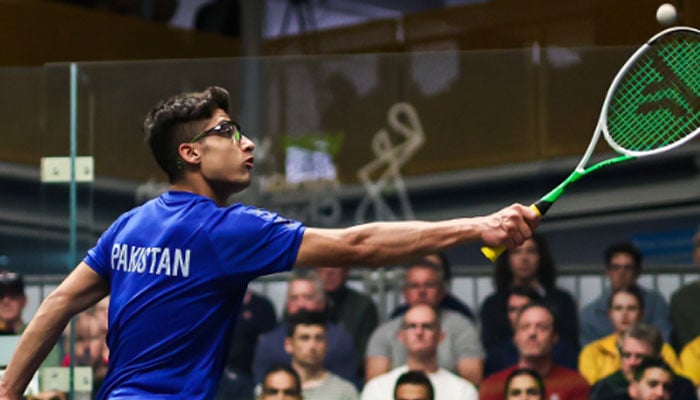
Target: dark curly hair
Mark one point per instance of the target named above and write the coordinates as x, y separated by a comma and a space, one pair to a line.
172, 120
546, 271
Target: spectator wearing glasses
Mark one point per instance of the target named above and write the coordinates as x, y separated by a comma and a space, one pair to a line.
420, 334
623, 265
459, 352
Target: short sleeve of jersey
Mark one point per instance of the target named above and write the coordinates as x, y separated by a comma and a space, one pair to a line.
254, 241
240, 240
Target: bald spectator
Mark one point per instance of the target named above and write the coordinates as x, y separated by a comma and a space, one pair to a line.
460, 351
420, 334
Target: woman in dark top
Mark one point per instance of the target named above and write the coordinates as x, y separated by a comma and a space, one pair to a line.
529, 265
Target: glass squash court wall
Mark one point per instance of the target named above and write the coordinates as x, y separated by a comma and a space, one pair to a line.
340, 140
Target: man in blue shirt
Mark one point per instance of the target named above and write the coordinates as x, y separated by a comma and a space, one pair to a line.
178, 266
623, 266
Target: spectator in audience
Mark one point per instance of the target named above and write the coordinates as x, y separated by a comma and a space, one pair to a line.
685, 317
414, 385
305, 291
528, 265
602, 357
257, 316
460, 351
448, 301
420, 334
623, 265
524, 384
13, 299
89, 346
653, 380
637, 343
280, 382
690, 360
504, 354
307, 345
535, 336
352, 310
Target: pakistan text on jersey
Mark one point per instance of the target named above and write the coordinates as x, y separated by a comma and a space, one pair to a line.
151, 260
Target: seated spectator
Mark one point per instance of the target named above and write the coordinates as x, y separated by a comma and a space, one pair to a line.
602, 357
352, 310
505, 354
280, 382
637, 343
690, 360
535, 336
524, 383
530, 265
420, 334
257, 316
623, 265
414, 385
305, 291
13, 299
89, 346
653, 379
685, 317
448, 301
459, 352
306, 343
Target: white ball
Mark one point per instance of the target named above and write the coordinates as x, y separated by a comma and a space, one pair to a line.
666, 14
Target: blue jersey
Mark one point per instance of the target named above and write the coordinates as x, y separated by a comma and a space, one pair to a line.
178, 267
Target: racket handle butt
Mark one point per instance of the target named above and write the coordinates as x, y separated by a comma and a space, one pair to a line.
492, 253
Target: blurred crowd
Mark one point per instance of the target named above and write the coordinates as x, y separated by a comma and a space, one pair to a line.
528, 340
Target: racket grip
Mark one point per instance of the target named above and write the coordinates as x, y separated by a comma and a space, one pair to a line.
492, 253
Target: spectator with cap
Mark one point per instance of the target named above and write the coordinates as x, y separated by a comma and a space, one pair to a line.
13, 299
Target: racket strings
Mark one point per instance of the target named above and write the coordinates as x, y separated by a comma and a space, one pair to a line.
657, 102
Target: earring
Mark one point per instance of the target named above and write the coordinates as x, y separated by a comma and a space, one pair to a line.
178, 164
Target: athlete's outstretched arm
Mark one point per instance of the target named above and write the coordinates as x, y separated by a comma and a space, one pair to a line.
81, 289
390, 243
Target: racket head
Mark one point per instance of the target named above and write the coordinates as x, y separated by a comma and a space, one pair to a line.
653, 104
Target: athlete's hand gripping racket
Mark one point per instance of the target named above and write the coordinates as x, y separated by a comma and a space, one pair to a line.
652, 106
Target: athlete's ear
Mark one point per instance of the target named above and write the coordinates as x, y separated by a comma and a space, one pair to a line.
188, 153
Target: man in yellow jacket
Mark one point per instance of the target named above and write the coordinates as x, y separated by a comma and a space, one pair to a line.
690, 360
602, 357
